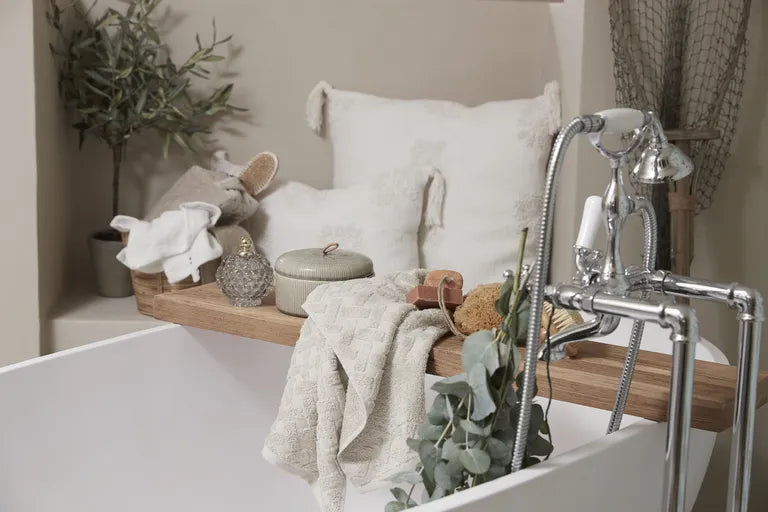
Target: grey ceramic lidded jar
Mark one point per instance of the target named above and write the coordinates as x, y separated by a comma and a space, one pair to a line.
299, 272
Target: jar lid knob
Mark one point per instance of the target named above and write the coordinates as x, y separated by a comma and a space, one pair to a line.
330, 248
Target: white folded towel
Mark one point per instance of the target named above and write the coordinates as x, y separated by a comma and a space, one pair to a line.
177, 242
355, 387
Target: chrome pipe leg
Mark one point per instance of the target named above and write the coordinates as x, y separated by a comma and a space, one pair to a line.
679, 423
744, 412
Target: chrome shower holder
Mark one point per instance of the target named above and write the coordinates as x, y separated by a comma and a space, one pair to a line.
604, 287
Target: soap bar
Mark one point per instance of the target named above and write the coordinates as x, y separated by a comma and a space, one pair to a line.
425, 297
435, 276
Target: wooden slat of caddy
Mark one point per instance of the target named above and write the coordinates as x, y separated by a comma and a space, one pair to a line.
590, 379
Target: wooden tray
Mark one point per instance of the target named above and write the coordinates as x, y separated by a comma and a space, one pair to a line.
589, 379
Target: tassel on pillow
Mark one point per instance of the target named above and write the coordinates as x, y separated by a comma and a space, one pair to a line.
316, 105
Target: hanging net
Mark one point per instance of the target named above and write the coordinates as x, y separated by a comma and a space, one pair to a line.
685, 60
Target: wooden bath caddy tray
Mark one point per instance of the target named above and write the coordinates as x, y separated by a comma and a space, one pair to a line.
589, 379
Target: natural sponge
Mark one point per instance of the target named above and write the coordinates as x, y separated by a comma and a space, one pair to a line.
478, 311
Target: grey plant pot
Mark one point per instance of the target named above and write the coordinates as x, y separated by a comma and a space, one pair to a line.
113, 279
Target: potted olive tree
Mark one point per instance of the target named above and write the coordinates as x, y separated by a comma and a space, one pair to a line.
117, 78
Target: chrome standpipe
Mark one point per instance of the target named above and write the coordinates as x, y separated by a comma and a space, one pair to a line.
685, 334
748, 304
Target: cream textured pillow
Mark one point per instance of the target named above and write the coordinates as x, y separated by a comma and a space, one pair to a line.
492, 157
380, 219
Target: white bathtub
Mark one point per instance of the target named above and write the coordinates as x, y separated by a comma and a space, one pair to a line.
172, 420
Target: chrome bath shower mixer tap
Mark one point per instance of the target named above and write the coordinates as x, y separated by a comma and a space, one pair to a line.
604, 287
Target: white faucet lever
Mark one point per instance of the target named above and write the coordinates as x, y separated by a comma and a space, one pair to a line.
591, 218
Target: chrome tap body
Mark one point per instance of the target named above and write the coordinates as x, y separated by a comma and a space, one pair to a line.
604, 287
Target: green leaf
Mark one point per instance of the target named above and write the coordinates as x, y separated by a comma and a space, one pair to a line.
445, 477
483, 404
480, 348
166, 145
105, 21
505, 296
450, 449
124, 73
394, 506
475, 461
402, 497
430, 432
538, 447
498, 451
523, 316
496, 471
456, 385
516, 358
536, 421
428, 455
408, 477
413, 444
474, 428
438, 413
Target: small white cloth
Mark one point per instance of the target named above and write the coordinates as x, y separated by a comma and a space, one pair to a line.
355, 387
177, 242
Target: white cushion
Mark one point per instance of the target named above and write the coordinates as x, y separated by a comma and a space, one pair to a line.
492, 156
380, 219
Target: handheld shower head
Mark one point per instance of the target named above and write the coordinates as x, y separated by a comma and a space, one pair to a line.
661, 161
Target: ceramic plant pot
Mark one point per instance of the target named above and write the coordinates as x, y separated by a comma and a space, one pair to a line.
113, 279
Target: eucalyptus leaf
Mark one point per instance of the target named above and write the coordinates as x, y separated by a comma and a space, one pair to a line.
536, 421
523, 315
456, 385
428, 455
402, 497
496, 471
407, 477
413, 444
538, 447
498, 450
474, 428
444, 477
438, 413
430, 432
482, 403
450, 449
480, 348
475, 460
505, 294
394, 506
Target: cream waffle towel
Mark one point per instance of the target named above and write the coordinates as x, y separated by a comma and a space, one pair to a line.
355, 387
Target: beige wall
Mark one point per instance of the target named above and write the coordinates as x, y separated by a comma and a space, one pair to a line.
56, 178
18, 197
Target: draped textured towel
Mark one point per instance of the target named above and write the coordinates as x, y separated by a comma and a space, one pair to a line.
355, 387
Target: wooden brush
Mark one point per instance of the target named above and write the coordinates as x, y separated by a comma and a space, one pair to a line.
561, 319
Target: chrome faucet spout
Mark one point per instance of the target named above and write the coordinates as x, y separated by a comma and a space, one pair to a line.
601, 325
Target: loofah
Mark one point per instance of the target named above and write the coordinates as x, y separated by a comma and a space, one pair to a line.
478, 310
